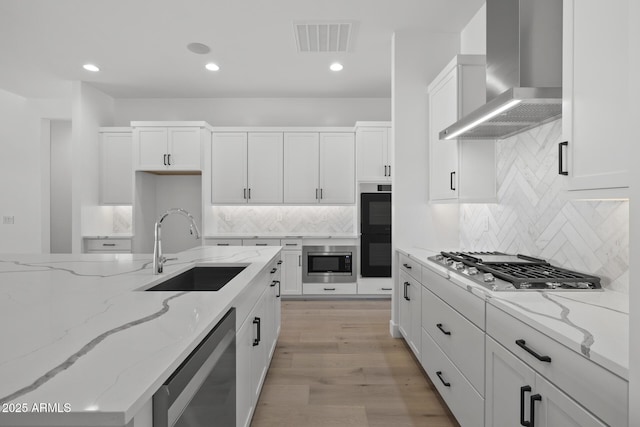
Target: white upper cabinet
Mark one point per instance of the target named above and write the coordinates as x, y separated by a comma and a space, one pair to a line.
246, 167
337, 168
116, 168
459, 171
264, 167
374, 151
229, 168
319, 168
301, 167
595, 109
168, 148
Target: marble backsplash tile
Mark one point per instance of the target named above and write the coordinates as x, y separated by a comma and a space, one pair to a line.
533, 217
282, 219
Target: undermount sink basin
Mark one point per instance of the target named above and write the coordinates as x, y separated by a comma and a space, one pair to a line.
199, 279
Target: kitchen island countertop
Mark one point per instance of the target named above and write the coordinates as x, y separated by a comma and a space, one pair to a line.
82, 345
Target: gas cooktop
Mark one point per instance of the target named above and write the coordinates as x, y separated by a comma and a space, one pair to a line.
504, 272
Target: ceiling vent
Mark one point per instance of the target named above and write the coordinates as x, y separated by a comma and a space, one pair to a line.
322, 36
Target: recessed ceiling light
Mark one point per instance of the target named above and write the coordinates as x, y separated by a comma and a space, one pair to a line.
199, 48
91, 67
212, 67
336, 66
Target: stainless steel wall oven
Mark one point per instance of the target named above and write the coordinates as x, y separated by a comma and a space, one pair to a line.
329, 264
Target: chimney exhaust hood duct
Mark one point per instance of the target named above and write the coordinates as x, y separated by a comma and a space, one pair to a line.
524, 71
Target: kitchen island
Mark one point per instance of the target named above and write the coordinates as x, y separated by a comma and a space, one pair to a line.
84, 345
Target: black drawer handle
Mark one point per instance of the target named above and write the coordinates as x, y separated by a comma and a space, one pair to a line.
446, 384
523, 344
451, 183
532, 409
279, 262
406, 291
273, 283
256, 321
561, 171
261, 244
223, 244
273, 270
329, 289
108, 244
165, 159
169, 159
387, 289
524, 389
439, 326
291, 244
279, 290
406, 266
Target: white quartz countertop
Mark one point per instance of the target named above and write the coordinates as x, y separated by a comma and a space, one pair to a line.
78, 333
292, 235
594, 324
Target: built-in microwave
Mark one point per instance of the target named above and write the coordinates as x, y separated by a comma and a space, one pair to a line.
329, 264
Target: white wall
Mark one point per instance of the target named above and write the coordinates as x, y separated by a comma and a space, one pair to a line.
60, 186
473, 38
24, 173
91, 110
256, 111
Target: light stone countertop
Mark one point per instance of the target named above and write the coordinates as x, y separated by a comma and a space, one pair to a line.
77, 330
592, 323
292, 235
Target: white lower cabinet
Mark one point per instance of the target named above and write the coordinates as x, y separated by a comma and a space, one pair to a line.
291, 280
255, 342
463, 400
410, 311
517, 395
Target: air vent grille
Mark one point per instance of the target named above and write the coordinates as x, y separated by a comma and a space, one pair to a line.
322, 37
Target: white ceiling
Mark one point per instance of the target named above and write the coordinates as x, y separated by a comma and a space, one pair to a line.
140, 45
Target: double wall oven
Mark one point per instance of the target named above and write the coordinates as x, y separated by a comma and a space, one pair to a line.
375, 233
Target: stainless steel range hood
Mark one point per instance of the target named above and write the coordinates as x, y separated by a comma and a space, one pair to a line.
524, 71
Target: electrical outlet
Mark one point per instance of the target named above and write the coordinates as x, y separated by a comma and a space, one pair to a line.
8, 220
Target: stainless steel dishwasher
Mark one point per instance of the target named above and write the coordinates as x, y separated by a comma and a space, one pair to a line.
202, 391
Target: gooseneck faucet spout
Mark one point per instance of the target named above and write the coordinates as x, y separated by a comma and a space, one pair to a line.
158, 258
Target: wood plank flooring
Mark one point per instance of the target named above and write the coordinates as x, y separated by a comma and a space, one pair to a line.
336, 365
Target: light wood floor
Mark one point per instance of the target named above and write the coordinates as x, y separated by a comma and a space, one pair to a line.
336, 365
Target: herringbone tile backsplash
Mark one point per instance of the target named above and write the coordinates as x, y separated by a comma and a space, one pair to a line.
283, 219
533, 217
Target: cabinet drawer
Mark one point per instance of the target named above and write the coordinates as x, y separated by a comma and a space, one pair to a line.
463, 301
329, 289
260, 242
377, 287
463, 400
291, 244
223, 242
410, 267
605, 394
458, 338
107, 245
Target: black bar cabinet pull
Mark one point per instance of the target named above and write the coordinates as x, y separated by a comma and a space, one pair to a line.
164, 159
561, 171
256, 321
524, 389
321, 196
439, 326
406, 291
244, 193
446, 384
316, 193
451, 184
279, 262
523, 344
249, 194
407, 266
108, 244
389, 170
532, 409
387, 289
385, 170
273, 270
169, 159
329, 289
273, 283
279, 290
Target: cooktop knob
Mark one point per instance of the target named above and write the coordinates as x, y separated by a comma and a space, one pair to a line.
448, 261
458, 265
488, 277
472, 271
439, 258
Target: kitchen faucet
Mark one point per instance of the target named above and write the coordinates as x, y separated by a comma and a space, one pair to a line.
158, 258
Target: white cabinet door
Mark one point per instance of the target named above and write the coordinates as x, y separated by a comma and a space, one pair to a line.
373, 154
410, 312
557, 409
184, 148
152, 148
116, 168
404, 307
337, 168
301, 167
595, 93
264, 164
443, 154
229, 168
260, 344
505, 396
244, 392
291, 273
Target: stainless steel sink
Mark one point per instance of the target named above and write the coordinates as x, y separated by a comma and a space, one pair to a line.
200, 279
